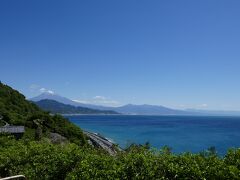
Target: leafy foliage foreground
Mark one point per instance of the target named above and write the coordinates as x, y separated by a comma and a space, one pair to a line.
43, 160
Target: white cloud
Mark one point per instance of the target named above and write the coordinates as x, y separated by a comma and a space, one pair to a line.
203, 105
42, 90
81, 101
100, 98
50, 92
36, 88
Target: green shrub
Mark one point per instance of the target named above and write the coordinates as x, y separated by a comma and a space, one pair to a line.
43, 160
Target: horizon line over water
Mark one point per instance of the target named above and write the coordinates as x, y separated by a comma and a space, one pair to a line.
152, 115
181, 133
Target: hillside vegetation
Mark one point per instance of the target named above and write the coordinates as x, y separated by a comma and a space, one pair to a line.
40, 159
16, 110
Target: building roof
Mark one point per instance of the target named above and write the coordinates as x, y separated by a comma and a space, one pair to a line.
12, 129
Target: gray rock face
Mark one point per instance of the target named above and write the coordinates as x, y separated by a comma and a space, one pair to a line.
57, 138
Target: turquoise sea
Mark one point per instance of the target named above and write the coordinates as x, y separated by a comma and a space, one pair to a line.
181, 133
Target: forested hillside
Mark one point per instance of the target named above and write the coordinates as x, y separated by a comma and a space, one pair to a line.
16, 110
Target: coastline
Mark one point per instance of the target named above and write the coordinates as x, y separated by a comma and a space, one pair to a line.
96, 139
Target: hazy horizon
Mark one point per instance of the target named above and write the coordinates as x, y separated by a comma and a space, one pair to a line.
178, 54
98, 102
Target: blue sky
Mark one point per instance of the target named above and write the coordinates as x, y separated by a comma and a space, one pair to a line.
181, 54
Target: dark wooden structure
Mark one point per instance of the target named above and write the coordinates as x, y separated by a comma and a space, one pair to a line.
17, 131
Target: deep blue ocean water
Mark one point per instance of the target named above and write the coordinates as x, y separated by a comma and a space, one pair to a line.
181, 133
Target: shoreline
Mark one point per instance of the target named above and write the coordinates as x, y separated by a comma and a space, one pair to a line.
96, 139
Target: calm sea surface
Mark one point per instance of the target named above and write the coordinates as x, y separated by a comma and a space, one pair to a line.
181, 133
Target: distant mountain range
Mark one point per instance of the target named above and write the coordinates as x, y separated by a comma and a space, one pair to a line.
130, 109
67, 101
126, 109
149, 110
55, 97
57, 107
